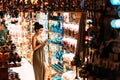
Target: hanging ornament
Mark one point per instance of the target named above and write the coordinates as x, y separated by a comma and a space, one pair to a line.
118, 11
82, 4
115, 23
115, 2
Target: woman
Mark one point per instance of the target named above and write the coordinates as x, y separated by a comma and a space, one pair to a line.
39, 66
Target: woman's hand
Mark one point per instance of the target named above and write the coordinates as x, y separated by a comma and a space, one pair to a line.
44, 43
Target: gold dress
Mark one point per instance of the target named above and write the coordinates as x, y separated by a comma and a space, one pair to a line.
38, 62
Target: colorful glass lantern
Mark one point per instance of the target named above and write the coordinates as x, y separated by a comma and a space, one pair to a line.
115, 2
115, 23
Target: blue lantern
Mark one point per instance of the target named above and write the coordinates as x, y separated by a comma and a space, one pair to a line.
118, 11
115, 2
115, 23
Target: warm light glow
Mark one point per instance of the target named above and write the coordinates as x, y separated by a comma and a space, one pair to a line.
1, 27
45, 3
86, 37
34, 1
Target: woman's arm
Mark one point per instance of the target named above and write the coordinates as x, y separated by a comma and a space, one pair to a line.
34, 47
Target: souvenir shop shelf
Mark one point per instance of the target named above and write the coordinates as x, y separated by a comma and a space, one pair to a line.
55, 36
63, 28
8, 53
69, 41
8, 56
70, 34
18, 29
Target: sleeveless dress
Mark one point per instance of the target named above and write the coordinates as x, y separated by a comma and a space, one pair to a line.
38, 62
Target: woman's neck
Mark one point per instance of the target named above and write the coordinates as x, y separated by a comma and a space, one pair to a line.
37, 34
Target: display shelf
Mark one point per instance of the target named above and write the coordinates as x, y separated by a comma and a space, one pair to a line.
56, 78
55, 46
8, 52
64, 27
70, 75
70, 35
57, 57
55, 38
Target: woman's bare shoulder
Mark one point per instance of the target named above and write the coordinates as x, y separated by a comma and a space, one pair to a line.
34, 37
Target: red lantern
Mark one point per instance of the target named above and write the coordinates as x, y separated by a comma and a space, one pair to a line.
1, 27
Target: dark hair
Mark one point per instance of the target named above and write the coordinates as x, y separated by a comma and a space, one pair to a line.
37, 26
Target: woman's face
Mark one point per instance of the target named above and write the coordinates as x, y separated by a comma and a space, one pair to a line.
39, 31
